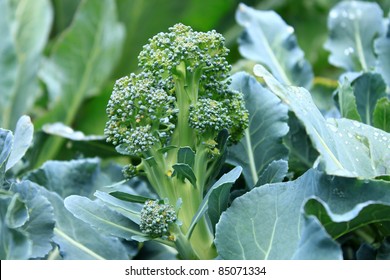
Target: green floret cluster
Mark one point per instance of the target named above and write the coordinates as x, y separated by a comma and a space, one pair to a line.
156, 218
140, 114
209, 116
175, 118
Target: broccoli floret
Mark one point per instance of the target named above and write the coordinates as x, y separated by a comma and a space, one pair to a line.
156, 218
173, 116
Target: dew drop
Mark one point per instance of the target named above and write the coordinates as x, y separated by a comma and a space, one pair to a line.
384, 138
355, 123
346, 142
334, 14
290, 30
349, 51
351, 16
357, 160
376, 134
340, 134
350, 135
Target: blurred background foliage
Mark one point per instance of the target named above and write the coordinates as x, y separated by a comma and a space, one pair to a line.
134, 22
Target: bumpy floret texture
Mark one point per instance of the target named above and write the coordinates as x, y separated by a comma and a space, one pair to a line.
204, 52
141, 113
143, 109
129, 171
156, 218
209, 116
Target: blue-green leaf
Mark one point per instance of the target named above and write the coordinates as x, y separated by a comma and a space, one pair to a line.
347, 148
40, 224
381, 114
263, 140
80, 63
22, 140
6, 141
101, 217
382, 49
368, 89
15, 244
362, 214
347, 101
267, 39
186, 155
353, 27
184, 171
216, 199
127, 209
69, 177
315, 243
74, 237
274, 173
17, 213
267, 222
24, 30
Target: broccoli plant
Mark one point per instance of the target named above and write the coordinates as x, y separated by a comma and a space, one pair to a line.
174, 119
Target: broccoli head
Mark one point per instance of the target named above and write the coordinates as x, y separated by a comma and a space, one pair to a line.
156, 218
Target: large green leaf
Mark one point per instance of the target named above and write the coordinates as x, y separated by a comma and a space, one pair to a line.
368, 89
69, 177
381, 114
267, 222
216, 199
101, 217
347, 148
353, 27
24, 29
363, 213
6, 141
269, 40
15, 244
262, 142
80, 62
315, 243
78, 240
302, 154
382, 49
22, 140
347, 101
128, 209
40, 224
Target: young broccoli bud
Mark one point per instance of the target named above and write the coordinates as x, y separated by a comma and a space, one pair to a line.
156, 219
209, 116
141, 113
129, 171
188, 50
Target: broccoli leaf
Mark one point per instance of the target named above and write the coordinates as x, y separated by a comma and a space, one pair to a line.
41, 220
274, 173
216, 199
347, 148
347, 101
24, 30
101, 217
381, 115
269, 40
77, 69
22, 140
315, 243
262, 142
267, 222
382, 49
353, 26
368, 89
